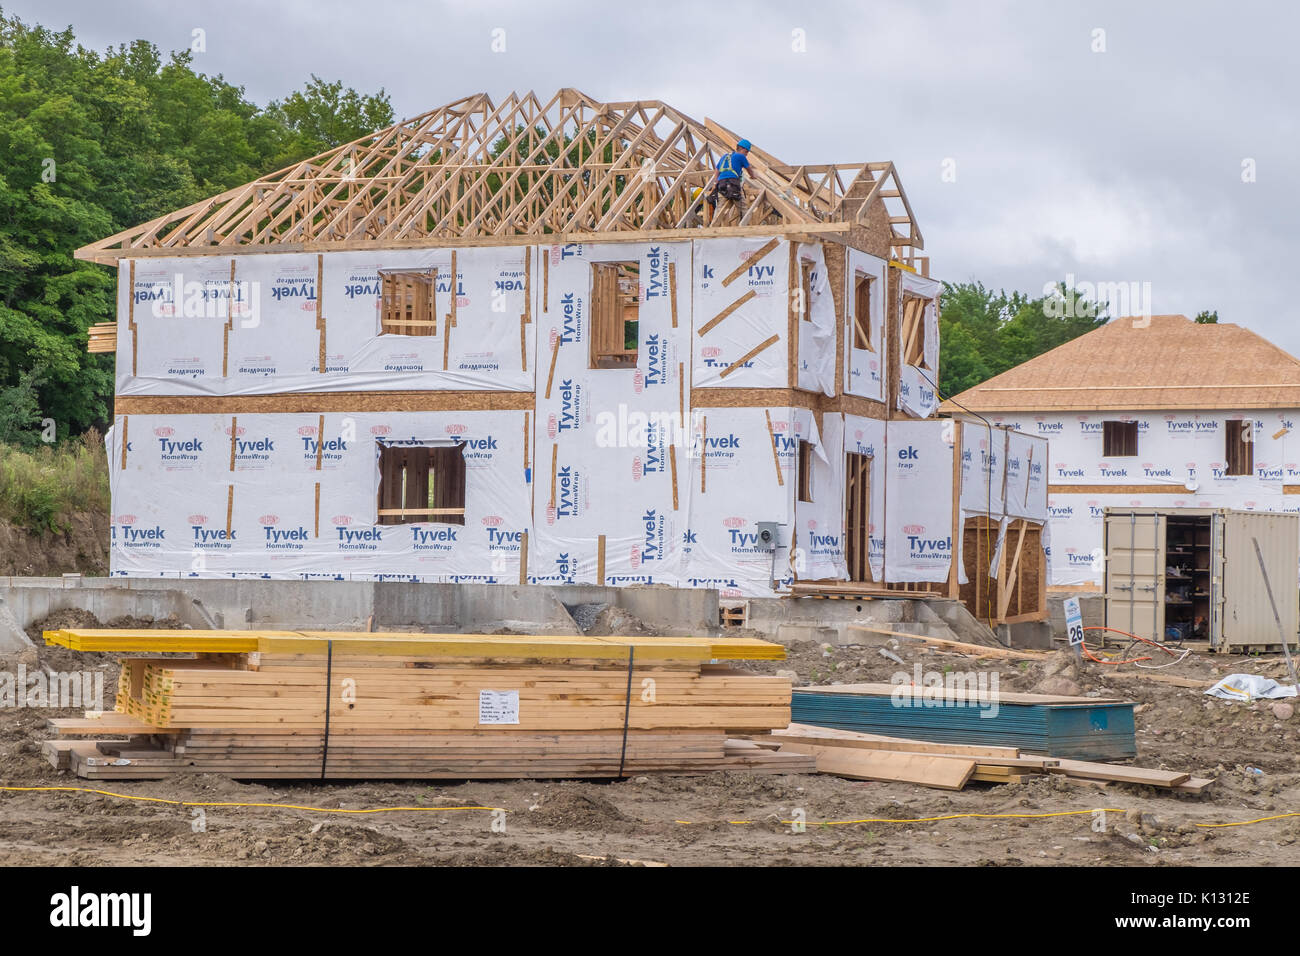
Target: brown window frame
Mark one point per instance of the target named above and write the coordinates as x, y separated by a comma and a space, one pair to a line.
1238, 450
862, 311
913, 331
408, 302
1119, 439
418, 485
804, 488
615, 291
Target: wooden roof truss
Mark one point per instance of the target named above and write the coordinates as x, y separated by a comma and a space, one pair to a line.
475, 171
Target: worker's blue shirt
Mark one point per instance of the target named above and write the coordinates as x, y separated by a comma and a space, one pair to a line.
731, 166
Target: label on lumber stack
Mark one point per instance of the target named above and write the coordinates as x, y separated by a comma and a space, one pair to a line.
498, 707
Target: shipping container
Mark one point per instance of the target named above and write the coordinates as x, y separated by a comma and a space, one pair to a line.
1193, 574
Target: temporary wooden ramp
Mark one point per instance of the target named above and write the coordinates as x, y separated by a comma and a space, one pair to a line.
474, 172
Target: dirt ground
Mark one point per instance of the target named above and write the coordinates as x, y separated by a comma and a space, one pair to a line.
731, 818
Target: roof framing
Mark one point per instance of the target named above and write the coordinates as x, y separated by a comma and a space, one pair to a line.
473, 172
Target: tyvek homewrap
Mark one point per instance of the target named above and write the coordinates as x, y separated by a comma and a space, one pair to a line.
612, 444
198, 331
1184, 450
918, 501
816, 325
743, 473
864, 362
916, 386
817, 531
745, 321
179, 507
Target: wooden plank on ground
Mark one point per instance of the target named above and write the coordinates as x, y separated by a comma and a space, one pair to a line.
927, 770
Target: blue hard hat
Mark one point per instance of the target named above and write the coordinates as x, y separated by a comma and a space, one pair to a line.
743, 144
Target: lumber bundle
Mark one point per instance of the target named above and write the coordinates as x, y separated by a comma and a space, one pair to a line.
102, 337
861, 756
281, 704
1083, 728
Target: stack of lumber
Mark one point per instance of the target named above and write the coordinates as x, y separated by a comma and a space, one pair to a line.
1083, 728
317, 704
102, 337
861, 756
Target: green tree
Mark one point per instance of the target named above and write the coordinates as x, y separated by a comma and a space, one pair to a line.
983, 333
1207, 318
94, 143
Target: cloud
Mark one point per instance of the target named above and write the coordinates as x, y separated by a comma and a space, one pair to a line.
1117, 166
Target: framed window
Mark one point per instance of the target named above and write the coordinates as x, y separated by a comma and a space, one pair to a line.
1119, 439
913, 336
805, 283
805, 471
408, 303
419, 485
1239, 447
857, 516
615, 314
862, 312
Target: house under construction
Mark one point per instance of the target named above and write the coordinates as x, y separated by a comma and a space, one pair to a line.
501, 343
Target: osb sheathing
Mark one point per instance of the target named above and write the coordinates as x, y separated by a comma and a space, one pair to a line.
324, 402
1168, 362
980, 593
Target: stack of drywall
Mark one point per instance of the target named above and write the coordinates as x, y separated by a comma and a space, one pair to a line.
318, 704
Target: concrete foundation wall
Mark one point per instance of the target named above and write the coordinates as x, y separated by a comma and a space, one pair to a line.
345, 605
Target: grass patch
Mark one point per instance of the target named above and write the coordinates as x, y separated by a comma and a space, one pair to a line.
40, 488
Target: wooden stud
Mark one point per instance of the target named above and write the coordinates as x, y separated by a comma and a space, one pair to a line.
320, 307
555, 354
523, 557
672, 463
672, 290
230, 323
771, 440
709, 325
749, 355
320, 443
130, 320
955, 550
126, 419
704, 448
555, 460
234, 440
318, 509
759, 254
230, 508
600, 560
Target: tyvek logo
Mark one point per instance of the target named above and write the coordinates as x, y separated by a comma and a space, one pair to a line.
290, 288
922, 548
1065, 471
209, 538
654, 273
1060, 511
1151, 471
125, 533
564, 567
1049, 427
276, 538
363, 285
570, 330
435, 538
358, 539
653, 544
654, 357
570, 418
504, 540
567, 495
1109, 472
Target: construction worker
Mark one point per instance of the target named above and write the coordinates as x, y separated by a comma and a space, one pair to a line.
731, 168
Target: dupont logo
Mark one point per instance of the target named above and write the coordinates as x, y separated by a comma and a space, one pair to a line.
552, 337
634, 557
343, 520
914, 529
307, 430
456, 429
733, 522
380, 430
812, 524
858, 434
164, 431
197, 519
237, 431
492, 521
638, 386
550, 514
126, 519
710, 351
269, 519
552, 426
638, 471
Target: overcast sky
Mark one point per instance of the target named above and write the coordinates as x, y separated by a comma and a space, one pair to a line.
1103, 140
